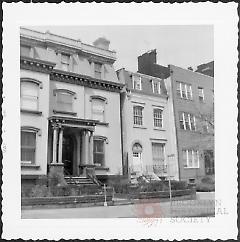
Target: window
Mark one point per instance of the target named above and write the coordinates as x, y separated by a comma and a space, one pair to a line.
200, 94
190, 158
65, 62
138, 115
158, 154
28, 147
156, 86
29, 95
192, 122
184, 90
137, 82
157, 118
98, 70
64, 100
25, 50
187, 121
98, 152
98, 109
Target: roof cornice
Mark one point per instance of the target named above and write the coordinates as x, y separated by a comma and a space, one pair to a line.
36, 65
78, 79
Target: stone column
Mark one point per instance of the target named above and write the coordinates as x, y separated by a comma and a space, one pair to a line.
60, 143
86, 147
54, 158
91, 148
83, 148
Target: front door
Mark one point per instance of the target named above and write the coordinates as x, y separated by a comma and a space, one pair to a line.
209, 162
137, 162
67, 154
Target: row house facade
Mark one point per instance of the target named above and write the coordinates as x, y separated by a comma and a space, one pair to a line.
191, 96
149, 146
70, 107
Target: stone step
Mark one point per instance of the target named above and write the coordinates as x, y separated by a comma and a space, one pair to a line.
79, 180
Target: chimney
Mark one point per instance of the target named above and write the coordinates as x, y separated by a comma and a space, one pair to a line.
102, 43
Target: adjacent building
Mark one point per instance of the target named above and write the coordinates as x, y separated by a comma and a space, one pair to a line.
70, 107
149, 143
191, 96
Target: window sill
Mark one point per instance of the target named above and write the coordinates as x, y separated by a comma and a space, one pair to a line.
159, 129
185, 99
31, 112
33, 166
192, 131
102, 168
139, 127
64, 112
103, 124
191, 167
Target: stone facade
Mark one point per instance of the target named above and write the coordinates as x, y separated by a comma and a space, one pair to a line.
70, 106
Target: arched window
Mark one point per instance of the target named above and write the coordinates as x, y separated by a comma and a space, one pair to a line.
29, 94
64, 100
98, 108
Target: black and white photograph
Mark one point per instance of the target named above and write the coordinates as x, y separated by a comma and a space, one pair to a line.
120, 122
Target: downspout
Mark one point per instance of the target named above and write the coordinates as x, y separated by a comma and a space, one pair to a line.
175, 121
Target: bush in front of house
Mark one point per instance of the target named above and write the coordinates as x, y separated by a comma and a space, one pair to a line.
205, 184
153, 186
40, 191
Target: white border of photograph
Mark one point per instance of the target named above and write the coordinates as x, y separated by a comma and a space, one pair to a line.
224, 18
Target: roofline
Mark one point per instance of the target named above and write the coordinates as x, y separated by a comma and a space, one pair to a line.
198, 73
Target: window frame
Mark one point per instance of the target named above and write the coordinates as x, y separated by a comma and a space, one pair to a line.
184, 90
194, 155
57, 106
104, 141
188, 118
104, 101
36, 132
158, 86
39, 86
201, 97
140, 82
30, 55
158, 118
138, 116
99, 72
66, 63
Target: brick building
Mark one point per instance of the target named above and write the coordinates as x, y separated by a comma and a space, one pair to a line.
192, 99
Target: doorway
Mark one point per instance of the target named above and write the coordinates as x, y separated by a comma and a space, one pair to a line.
209, 162
137, 158
67, 154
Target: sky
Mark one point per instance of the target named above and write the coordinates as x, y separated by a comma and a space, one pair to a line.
180, 45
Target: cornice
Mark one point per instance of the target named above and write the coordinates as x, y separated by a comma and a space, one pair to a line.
77, 79
32, 64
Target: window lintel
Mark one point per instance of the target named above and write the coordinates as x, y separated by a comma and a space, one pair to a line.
27, 79
100, 137
98, 97
31, 129
55, 91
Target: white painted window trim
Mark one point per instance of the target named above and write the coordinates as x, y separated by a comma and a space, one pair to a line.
193, 153
37, 133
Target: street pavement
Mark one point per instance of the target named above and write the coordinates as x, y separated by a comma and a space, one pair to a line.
186, 208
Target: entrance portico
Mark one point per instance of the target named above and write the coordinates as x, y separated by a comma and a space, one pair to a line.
72, 145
